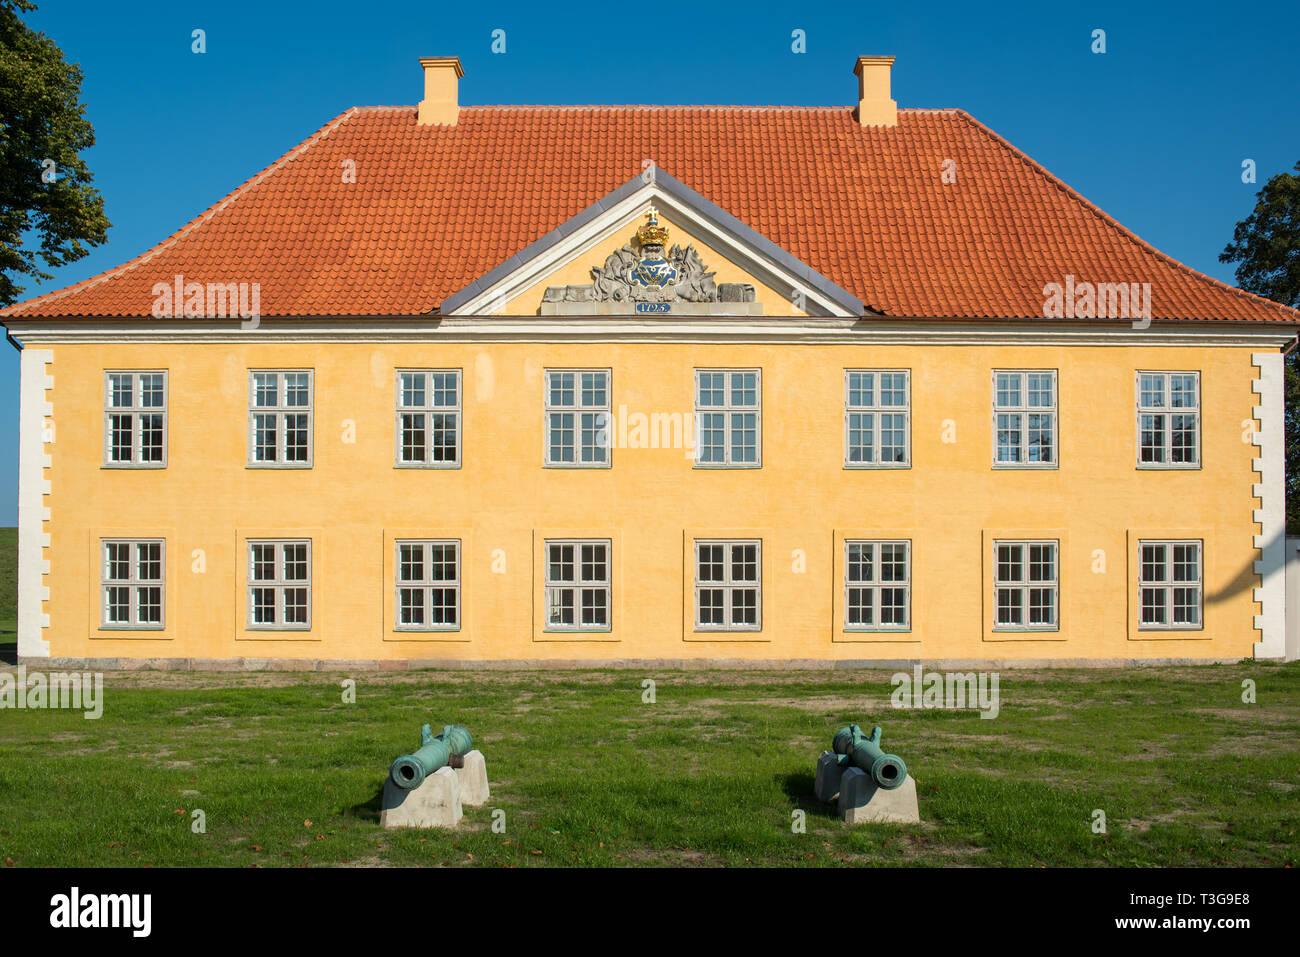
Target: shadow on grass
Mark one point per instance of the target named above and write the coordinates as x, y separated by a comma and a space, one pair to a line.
8, 648
369, 811
799, 788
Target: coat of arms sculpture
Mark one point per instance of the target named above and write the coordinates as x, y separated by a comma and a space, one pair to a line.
646, 275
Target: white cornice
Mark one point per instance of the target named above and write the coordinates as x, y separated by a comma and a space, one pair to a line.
700, 329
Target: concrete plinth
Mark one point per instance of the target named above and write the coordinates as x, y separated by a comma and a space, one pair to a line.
473, 779
861, 800
435, 803
829, 773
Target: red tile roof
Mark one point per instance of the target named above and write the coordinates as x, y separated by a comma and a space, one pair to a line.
435, 207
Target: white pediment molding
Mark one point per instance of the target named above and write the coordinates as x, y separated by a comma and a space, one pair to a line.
741, 245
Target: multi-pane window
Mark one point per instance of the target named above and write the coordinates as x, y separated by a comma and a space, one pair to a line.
577, 418
728, 418
279, 584
428, 585
728, 583
1027, 586
877, 580
1169, 415
577, 585
875, 419
135, 419
1169, 580
1024, 418
428, 418
280, 419
131, 584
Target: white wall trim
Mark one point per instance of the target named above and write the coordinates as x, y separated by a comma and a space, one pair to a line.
1293, 598
703, 329
35, 416
1271, 515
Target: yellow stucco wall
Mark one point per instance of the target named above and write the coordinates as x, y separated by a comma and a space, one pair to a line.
353, 502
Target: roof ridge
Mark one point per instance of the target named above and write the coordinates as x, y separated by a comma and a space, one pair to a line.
29, 304
655, 106
652, 106
1119, 227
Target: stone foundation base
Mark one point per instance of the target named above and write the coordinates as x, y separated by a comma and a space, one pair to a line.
829, 774
473, 779
860, 800
353, 665
435, 803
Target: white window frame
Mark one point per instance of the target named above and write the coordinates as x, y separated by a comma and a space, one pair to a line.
875, 584
1024, 410
426, 585
280, 410
578, 585
133, 583
137, 412
1025, 584
1166, 412
729, 585
280, 584
427, 411
727, 410
577, 410
1168, 585
875, 409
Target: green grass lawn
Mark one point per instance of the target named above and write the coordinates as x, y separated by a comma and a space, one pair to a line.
587, 774
8, 591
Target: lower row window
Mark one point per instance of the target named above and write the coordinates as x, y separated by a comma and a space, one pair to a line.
1170, 585
728, 584
428, 585
131, 584
877, 585
1026, 586
577, 585
279, 585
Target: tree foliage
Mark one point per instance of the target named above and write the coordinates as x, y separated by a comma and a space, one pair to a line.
1266, 247
49, 211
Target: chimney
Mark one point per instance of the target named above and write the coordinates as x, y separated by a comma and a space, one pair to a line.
441, 104
875, 108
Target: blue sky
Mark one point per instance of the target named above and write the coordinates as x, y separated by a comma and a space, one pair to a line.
1153, 131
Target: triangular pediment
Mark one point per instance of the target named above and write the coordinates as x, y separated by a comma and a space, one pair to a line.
653, 247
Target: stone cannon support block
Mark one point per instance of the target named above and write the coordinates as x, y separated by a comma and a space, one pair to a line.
861, 800
435, 803
473, 779
829, 774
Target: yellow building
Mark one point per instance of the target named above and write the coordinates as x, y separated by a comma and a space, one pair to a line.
454, 383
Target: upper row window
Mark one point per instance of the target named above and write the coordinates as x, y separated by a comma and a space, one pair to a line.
135, 419
280, 419
1169, 415
877, 408
577, 418
428, 418
728, 415
1024, 419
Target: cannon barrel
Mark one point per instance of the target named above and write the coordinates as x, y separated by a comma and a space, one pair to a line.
855, 748
410, 770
